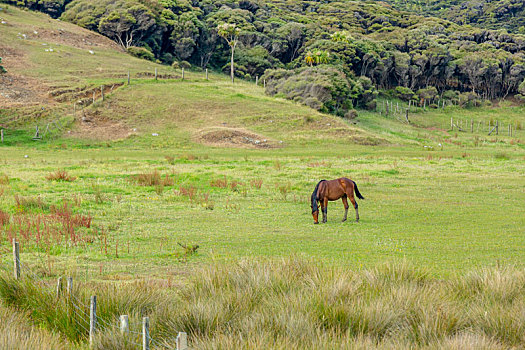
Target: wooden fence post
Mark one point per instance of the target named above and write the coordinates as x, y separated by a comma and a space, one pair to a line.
124, 324
69, 286
93, 96
59, 287
16, 259
145, 333
264, 83
92, 319
182, 73
206, 73
182, 341
129, 77
256, 80
406, 116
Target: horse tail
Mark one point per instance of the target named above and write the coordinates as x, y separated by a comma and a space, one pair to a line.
357, 193
315, 198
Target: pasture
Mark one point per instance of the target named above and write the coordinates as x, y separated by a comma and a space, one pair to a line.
123, 195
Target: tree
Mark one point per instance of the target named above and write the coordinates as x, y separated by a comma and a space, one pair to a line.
230, 33
129, 26
318, 57
309, 58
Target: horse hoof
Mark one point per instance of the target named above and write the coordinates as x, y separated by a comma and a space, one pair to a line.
316, 223
343, 220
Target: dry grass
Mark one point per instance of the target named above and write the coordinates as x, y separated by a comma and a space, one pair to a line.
4, 179
17, 333
153, 179
60, 175
295, 304
28, 203
256, 183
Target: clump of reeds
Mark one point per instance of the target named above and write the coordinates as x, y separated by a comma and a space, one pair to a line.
153, 179
60, 175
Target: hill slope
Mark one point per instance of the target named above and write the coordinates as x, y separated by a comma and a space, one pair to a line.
54, 68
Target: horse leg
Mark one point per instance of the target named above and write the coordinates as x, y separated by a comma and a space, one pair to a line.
325, 209
345, 203
352, 199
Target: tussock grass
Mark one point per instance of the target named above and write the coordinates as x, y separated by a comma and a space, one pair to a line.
60, 175
17, 333
295, 303
153, 179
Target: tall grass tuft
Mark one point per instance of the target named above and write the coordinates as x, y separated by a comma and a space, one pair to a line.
60, 175
296, 303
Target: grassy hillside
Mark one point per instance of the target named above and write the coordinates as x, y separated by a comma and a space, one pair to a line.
121, 195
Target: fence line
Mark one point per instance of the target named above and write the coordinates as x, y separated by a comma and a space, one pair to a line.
82, 317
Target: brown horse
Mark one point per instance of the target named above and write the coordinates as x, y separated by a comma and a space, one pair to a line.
332, 190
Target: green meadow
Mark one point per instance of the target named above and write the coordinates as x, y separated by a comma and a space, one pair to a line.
128, 187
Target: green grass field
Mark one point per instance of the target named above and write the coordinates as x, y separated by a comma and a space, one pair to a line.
437, 198
446, 199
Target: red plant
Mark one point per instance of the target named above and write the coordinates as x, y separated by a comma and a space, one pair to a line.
60, 175
220, 183
4, 218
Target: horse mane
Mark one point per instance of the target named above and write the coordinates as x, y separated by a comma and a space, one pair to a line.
315, 198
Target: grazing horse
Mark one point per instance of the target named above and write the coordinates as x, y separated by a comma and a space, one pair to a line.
331, 190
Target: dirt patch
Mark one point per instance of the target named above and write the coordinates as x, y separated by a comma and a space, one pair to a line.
95, 127
239, 138
84, 39
16, 89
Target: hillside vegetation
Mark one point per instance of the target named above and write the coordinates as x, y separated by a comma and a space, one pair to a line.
369, 46
487, 14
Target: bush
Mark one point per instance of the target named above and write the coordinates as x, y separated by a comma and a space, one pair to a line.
141, 52
521, 90
351, 114
404, 93
185, 64
175, 65
2, 69
428, 93
324, 88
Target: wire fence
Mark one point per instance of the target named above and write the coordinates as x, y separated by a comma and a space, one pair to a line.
85, 316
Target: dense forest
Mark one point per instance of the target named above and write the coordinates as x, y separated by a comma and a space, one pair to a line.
331, 55
489, 14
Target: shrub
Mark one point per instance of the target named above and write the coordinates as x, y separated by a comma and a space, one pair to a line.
324, 88
60, 175
404, 93
351, 114
185, 64
141, 52
428, 94
175, 65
